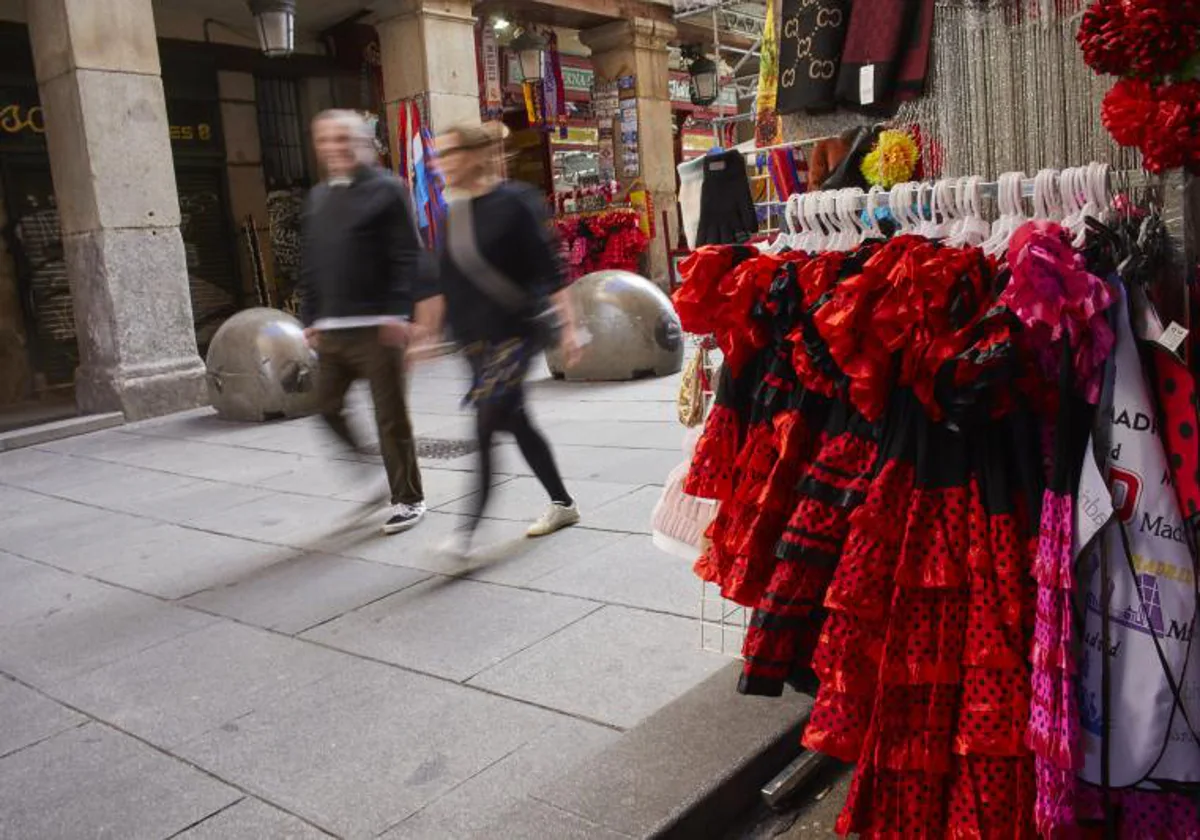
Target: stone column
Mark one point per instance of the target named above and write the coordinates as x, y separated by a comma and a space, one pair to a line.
428, 49
110, 154
639, 47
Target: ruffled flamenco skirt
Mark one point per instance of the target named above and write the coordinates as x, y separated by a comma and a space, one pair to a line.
922, 660
784, 628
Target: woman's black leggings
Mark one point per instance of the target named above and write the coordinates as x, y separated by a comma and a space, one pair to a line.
507, 413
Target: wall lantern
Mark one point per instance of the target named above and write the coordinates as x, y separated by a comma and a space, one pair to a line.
703, 71
530, 48
275, 21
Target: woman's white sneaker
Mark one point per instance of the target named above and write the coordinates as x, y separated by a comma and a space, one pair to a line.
554, 519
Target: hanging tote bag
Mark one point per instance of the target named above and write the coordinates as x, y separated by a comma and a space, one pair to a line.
692, 390
541, 315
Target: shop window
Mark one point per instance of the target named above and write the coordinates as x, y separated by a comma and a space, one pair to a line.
281, 131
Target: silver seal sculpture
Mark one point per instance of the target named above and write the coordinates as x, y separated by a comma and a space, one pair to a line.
260, 368
633, 330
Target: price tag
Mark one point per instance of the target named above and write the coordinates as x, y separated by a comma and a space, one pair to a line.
1173, 337
866, 85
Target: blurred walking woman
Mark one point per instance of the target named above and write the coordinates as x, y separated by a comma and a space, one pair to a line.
503, 288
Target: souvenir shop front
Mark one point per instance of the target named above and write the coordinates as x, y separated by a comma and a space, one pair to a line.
944, 449
562, 140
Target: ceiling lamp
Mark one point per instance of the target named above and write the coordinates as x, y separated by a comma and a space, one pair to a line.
530, 48
275, 21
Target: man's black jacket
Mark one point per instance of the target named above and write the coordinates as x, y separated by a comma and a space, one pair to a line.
361, 252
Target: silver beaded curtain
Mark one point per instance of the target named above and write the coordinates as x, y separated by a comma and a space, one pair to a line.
1009, 91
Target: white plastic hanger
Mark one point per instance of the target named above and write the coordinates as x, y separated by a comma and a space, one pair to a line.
1073, 199
852, 202
873, 230
973, 229
814, 234
900, 205
782, 239
1012, 215
1047, 196
829, 215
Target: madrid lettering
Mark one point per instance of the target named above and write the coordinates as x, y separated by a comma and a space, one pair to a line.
1160, 527
1137, 421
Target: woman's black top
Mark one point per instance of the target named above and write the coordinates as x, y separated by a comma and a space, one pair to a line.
513, 233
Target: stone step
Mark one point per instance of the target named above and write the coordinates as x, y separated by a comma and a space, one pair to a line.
692, 769
59, 430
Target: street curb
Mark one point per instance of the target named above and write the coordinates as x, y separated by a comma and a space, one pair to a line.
59, 430
692, 769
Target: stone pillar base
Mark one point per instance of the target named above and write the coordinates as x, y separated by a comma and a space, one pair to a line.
145, 391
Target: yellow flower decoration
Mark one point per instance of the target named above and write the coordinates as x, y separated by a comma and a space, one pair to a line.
892, 161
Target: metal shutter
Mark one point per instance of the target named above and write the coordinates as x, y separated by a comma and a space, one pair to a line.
210, 248
38, 251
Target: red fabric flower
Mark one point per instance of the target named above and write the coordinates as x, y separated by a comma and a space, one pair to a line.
1146, 38
1128, 110
1101, 37
1161, 36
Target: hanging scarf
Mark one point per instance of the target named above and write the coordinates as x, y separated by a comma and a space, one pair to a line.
768, 128
555, 90
493, 90
403, 143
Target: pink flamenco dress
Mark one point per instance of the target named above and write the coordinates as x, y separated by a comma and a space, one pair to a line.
1063, 309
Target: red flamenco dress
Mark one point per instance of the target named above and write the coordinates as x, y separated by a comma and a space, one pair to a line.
783, 633
922, 658
779, 436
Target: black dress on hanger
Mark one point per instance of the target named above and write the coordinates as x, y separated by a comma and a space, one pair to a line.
727, 214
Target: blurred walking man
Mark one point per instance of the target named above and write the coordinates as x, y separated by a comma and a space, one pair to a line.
362, 267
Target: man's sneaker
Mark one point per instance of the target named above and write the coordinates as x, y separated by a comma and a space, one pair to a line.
404, 518
554, 519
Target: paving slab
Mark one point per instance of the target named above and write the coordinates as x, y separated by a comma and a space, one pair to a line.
587, 463
655, 410
15, 501
233, 464
197, 500
33, 591
688, 771
416, 549
473, 809
27, 717
63, 533
362, 482
523, 499
172, 562
114, 486
630, 513
304, 591
281, 518
89, 632
93, 782
617, 666
423, 627
362, 751
630, 572
182, 688
253, 819
503, 554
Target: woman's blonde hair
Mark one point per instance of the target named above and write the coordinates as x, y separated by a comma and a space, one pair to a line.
488, 137
473, 138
